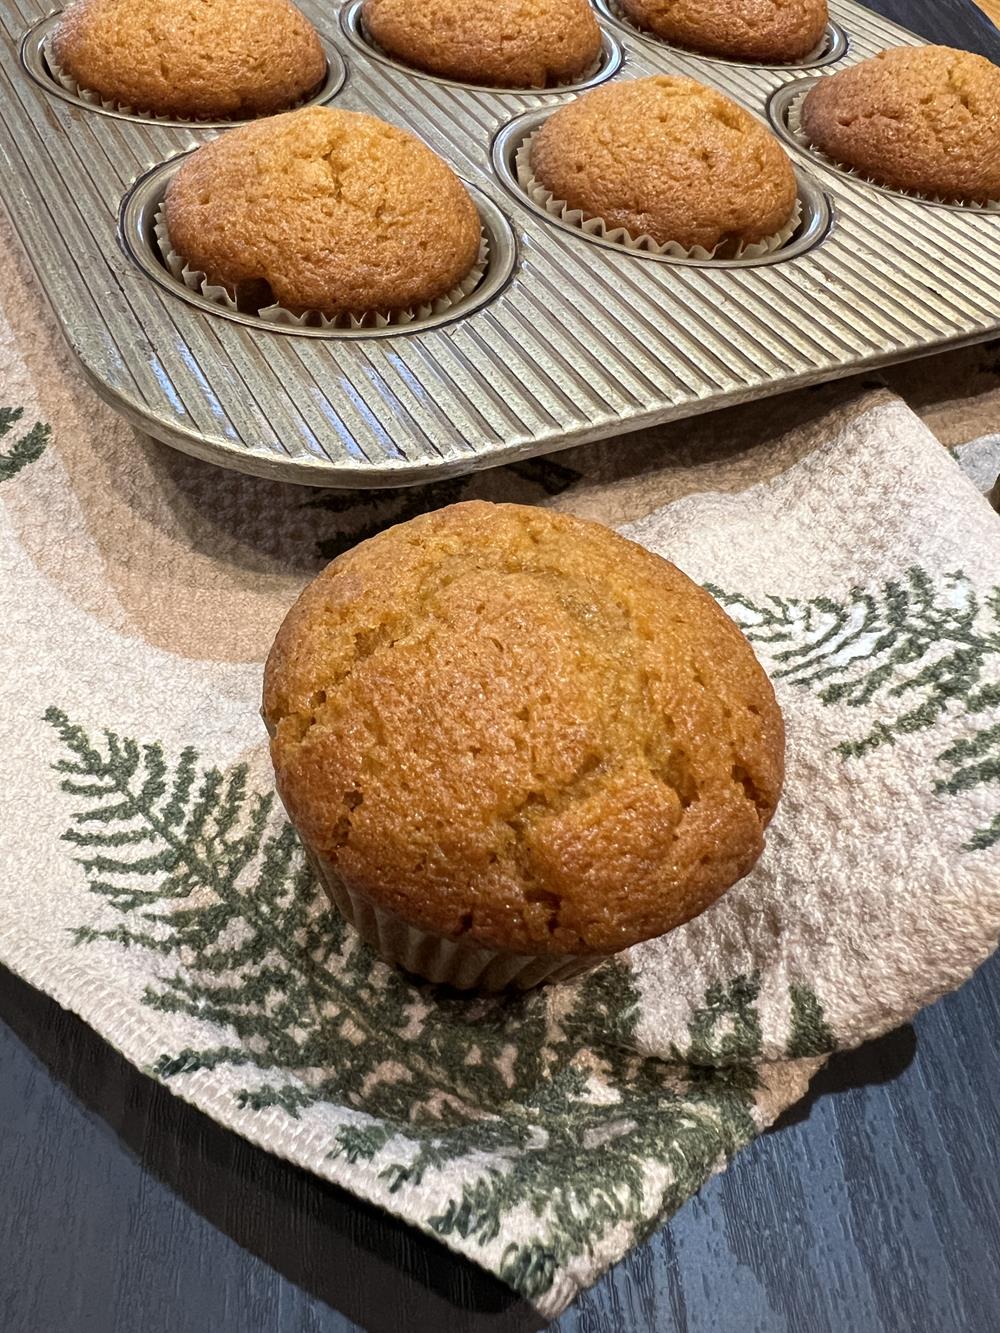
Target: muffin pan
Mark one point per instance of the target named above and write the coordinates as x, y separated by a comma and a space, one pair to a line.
567, 339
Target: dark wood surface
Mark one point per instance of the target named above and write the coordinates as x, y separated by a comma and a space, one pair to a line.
873, 1208
950, 22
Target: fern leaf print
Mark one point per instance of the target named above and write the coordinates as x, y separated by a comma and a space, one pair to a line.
26, 448
914, 653
536, 1106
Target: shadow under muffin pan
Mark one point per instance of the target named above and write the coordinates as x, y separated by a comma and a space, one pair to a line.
565, 341
35, 61
137, 230
779, 107
608, 64
833, 46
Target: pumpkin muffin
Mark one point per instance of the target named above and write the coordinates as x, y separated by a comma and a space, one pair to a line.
194, 59
503, 43
920, 118
514, 743
332, 211
668, 158
775, 30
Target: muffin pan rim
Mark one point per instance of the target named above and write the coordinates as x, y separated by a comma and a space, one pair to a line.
352, 26
836, 44
144, 196
778, 106
34, 61
818, 208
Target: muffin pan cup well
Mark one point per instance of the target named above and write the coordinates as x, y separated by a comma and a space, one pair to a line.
568, 341
832, 47
37, 61
815, 215
783, 110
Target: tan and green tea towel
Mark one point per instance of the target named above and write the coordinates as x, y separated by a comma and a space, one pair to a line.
151, 885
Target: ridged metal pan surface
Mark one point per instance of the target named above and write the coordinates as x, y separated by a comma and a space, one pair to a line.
576, 340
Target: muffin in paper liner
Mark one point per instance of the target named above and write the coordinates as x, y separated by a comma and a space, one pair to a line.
585, 76
438, 959
437, 702
197, 281
800, 62
793, 120
596, 226
67, 81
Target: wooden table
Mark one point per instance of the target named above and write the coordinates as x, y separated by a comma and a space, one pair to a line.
874, 1208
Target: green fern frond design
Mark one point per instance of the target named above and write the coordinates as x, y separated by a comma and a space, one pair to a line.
916, 648
26, 448
811, 1035
202, 870
628, 1156
538, 1103
984, 837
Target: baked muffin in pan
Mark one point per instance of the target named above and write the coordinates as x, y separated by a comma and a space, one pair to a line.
191, 59
325, 211
778, 31
924, 119
497, 43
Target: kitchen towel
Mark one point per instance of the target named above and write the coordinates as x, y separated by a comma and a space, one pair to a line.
151, 885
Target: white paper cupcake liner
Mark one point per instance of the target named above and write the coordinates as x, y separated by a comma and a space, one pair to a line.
591, 72
592, 225
810, 58
793, 119
197, 281
87, 95
437, 959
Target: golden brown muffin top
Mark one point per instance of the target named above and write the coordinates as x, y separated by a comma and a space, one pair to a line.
517, 728
336, 211
503, 43
668, 158
195, 59
923, 118
779, 30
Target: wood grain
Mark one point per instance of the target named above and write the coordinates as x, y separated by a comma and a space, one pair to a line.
875, 1208
949, 22
990, 7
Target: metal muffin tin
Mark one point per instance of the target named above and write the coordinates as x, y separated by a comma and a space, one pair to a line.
567, 340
